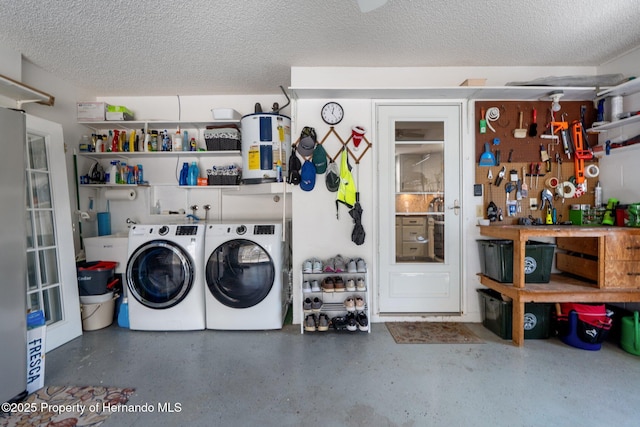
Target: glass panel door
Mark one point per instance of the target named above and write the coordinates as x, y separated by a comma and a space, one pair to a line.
51, 275
419, 189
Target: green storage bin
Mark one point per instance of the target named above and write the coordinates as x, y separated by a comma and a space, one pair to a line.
496, 316
496, 260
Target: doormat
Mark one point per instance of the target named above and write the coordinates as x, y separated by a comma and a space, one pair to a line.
432, 333
66, 406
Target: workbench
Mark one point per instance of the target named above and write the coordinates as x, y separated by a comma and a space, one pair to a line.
618, 248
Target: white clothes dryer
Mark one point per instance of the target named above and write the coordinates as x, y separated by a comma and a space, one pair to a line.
165, 277
246, 277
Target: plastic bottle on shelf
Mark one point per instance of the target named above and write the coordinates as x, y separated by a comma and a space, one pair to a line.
194, 172
185, 141
184, 174
140, 178
113, 172
99, 144
177, 141
193, 145
115, 140
598, 195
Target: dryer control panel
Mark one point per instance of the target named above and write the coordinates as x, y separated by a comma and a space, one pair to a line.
187, 230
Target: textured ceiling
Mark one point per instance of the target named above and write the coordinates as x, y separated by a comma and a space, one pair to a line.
188, 47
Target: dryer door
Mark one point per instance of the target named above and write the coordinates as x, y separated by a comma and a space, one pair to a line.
240, 273
160, 274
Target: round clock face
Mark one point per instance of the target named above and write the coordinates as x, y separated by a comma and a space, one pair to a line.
332, 113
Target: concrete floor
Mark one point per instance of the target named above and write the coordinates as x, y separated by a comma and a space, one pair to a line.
280, 378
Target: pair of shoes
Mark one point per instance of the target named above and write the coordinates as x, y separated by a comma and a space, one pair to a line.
354, 303
356, 266
341, 323
314, 323
360, 285
333, 284
312, 265
309, 305
308, 287
335, 265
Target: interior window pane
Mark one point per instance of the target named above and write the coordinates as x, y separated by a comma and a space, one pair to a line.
32, 268
29, 230
40, 190
33, 301
37, 157
44, 224
49, 267
52, 304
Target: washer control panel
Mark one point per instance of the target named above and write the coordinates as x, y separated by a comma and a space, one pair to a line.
187, 230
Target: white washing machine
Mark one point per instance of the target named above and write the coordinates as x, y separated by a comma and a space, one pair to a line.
246, 276
165, 277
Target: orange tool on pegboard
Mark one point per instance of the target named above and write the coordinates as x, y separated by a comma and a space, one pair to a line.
580, 153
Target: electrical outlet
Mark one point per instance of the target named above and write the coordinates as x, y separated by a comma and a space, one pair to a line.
479, 211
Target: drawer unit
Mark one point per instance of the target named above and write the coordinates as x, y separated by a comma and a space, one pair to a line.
413, 249
415, 221
622, 274
622, 247
414, 234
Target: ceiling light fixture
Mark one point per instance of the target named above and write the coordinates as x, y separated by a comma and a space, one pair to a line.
555, 100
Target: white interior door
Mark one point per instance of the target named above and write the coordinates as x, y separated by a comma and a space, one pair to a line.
419, 214
52, 283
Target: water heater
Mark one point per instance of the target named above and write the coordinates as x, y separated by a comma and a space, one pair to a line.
266, 147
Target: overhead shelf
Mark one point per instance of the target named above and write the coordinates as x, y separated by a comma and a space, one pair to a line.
627, 88
486, 93
22, 93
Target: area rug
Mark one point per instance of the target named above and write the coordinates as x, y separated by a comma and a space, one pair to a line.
66, 406
431, 333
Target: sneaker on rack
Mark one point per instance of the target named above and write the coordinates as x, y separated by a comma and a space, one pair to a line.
316, 304
351, 285
363, 321
360, 285
329, 266
339, 265
306, 305
351, 266
361, 267
306, 287
339, 323
310, 323
352, 323
315, 286
350, 304
317, 266
307, 266
323, 322
359, 302
338, 284
327, 284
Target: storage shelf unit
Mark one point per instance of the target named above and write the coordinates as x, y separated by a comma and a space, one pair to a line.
627, 88
333, 302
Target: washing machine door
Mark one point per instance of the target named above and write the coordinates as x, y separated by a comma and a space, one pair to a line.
160, 274
240, 273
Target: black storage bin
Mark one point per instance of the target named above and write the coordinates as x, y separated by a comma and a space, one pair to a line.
496, 260
94, 277
497, 316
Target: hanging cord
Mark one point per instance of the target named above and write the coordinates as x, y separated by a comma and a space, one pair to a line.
493, 114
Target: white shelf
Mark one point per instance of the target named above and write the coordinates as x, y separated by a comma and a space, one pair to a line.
22, 93
503, 93
615, 125
627, 88
158, 154
155, 124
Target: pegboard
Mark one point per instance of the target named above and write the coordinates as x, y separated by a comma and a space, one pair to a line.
527, 149
498, 194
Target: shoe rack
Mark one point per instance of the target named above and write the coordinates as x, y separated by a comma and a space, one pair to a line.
333, 303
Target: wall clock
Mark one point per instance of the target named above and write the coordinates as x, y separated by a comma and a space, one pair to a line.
332, 113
